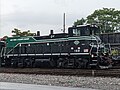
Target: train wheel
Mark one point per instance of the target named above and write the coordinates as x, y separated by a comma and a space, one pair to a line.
21, 62
59, 62
15, 64
7, 62
82, 63
78, 64
53, 63
65, 65
28, 62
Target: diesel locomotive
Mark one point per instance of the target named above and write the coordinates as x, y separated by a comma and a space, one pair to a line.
81, 47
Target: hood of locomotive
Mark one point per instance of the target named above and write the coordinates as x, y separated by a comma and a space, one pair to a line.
73, 45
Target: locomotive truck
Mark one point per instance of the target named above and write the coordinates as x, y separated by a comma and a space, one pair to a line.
81, 47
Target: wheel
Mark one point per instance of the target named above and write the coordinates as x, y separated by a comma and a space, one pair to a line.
78, 64
82, 63
7, 62
59, 63
53, 63
28, 62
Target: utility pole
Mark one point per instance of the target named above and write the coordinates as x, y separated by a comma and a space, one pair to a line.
64, 23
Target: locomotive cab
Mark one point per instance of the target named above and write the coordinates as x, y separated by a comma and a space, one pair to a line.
83, 30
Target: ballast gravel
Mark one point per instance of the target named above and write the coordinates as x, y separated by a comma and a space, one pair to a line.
102, 83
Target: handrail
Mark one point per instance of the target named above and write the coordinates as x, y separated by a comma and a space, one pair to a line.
1, 52
92, 48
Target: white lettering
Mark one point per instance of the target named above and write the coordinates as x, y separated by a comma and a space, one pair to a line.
19, 39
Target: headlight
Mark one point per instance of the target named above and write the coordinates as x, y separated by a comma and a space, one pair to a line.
85, 50
92, 55
72, 48
78, 48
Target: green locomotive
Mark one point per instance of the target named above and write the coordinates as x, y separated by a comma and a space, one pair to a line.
79, 48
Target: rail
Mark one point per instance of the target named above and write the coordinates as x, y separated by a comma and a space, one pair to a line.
71, 72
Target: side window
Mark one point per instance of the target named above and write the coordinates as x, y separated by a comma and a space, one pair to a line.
85, 31
76, 32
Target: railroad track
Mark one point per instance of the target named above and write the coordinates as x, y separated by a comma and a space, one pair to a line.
72, 72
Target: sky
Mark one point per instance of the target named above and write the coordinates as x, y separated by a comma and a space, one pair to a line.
46, 15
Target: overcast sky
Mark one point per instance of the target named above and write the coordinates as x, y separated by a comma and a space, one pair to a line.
45, 15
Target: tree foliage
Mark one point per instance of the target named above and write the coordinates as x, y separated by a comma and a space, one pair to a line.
108, 19
79, 22
18, 32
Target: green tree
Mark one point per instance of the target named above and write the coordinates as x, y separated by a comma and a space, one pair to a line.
18, 32
108, 19
79, 22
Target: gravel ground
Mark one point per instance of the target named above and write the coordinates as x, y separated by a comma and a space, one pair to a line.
102, 83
